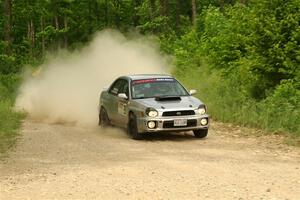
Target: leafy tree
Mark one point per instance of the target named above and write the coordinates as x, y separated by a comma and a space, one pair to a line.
249, 48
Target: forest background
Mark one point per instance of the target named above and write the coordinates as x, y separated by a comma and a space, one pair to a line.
242, 56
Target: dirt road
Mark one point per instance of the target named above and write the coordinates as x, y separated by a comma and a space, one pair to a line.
66, 162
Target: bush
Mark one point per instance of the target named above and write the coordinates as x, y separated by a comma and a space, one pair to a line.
245, 64
10, 121
282, 108
8, 86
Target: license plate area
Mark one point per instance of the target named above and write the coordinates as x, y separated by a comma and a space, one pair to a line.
180, 122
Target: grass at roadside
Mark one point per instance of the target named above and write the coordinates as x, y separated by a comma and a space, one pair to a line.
10, 122
228, 104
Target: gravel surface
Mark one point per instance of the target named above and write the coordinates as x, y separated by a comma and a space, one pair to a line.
68, 162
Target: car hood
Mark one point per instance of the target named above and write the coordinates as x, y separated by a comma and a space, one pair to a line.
185, 102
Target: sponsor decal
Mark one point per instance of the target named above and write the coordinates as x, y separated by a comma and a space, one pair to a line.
152, 80
164, 79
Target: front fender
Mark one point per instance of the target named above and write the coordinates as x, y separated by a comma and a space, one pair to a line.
137, 109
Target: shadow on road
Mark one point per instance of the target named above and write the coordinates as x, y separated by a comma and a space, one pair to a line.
169, 136
114, 132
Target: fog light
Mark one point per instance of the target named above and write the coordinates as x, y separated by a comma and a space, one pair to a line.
203, 121
151, 124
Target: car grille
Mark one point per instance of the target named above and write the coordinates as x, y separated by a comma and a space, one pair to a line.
179, 113
170, 124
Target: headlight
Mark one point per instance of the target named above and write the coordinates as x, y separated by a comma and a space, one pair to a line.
151, 112
202, 109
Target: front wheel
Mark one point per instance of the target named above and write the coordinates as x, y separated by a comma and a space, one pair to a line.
132, 128
201, 133
103, 118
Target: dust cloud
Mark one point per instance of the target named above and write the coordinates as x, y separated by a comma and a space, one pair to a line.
66, 88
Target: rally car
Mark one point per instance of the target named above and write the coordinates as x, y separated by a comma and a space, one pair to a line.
152, 103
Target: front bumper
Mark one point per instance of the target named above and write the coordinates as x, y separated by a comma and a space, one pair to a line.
167, 123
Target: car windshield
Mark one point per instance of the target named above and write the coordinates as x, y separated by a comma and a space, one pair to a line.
156, 87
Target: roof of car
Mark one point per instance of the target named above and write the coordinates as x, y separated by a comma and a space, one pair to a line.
146, 76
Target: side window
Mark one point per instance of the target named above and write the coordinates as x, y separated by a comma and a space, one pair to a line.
115, 88
125, 88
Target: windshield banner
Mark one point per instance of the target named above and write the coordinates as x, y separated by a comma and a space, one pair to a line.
152, 80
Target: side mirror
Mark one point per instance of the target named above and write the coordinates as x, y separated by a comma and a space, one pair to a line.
122, 96
192, 92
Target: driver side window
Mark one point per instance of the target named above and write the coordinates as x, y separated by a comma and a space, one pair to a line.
115, 88
119, 86
125, 88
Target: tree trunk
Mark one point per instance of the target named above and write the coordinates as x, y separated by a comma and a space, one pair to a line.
30, 37
97, 13
136, 18
106, 13
56, 22
178, 12
90, 17
194, 12
222, 5
57, 36
66, 32
7, 25
117, 18
43, 35
152, 9
163, 7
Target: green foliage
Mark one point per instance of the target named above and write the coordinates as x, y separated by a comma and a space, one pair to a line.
282, 108
244, 58
10, 121
245, 62
8, 86
266, 34
157, 25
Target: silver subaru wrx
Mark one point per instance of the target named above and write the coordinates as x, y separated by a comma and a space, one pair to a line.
152, 103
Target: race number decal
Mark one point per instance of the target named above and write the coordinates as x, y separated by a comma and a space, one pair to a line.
122, 108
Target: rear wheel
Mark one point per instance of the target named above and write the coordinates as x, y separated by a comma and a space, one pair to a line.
132, 128
103, 118
201, 133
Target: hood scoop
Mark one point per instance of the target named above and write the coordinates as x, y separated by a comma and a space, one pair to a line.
168, 98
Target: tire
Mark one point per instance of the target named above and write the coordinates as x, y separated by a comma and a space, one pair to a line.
132, 129
103, 118
201, 133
